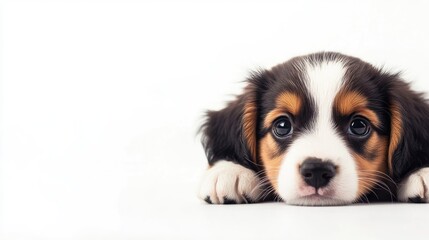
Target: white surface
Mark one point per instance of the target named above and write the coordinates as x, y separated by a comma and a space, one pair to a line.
100, 103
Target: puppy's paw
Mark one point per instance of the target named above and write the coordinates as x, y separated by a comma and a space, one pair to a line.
414, 188
229, 183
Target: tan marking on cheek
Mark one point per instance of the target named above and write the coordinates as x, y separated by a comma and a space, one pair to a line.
347, 102
249, 120
395, 133
369, 169
286, 102
373, 143
268, 149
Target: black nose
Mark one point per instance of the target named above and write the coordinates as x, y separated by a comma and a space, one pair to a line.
317, 173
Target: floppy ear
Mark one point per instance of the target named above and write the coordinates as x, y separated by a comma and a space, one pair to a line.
231, 133
409, 129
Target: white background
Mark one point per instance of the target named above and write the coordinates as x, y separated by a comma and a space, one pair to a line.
101, 102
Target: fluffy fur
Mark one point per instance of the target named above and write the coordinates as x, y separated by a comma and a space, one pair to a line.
361, 131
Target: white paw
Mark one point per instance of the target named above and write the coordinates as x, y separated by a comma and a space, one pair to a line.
227, 182
414, 188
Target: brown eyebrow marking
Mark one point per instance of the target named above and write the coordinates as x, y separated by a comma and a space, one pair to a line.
348, 103
286, 102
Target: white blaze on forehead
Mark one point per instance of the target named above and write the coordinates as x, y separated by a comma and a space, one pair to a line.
323, 82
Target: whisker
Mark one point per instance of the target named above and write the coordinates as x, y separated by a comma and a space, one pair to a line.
379, 174
380, 184
367, 187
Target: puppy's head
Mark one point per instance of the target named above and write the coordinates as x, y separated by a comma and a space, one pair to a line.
325, 128
324, 134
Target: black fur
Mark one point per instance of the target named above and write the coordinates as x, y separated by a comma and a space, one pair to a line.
223, 132
228, 201
208, 200
412, 152
416, 199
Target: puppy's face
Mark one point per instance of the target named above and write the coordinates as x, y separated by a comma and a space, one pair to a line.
324, 134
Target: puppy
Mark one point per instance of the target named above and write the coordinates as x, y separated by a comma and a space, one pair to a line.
321, 129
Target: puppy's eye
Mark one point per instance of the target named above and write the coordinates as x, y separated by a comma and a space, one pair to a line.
359, 126
282, 127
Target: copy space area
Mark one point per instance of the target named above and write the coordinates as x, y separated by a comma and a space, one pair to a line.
100, 103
